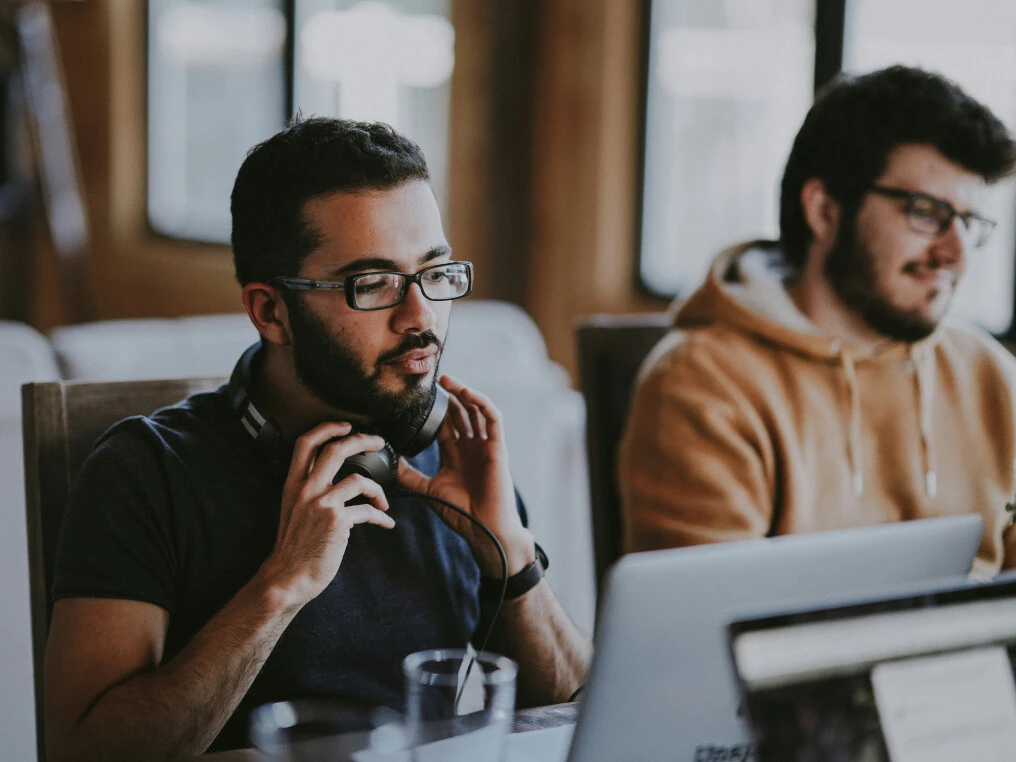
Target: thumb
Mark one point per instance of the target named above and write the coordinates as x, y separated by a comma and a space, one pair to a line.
412, 479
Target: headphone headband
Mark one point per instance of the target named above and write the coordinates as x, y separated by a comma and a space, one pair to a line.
264, 431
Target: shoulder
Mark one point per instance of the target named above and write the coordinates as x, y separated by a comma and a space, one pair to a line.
687, 350
195, 423
968, 346
714, 361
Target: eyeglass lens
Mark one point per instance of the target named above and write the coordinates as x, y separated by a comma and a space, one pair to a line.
927, 216
373, 291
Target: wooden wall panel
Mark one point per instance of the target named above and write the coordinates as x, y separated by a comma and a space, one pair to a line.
586, 158
492, 142
132, 272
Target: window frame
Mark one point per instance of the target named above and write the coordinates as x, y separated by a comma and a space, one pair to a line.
288, 90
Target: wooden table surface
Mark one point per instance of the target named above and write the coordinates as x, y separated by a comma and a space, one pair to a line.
341, 747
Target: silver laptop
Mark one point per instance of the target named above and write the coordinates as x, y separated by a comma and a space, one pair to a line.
661, 686
924, 676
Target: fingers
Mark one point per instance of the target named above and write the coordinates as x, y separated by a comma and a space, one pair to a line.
354, 486
306, 447
410, 478
332, 454
482, 416
479, 421
460, 417
365, 514
305, 453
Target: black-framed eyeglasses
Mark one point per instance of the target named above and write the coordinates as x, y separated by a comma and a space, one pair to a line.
933, 216
382, 290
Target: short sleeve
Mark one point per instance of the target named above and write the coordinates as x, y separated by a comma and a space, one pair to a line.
116, 540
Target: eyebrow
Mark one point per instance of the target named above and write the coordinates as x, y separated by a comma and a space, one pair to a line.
937, 200
382, 263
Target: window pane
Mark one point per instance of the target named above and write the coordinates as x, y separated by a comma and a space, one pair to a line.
974, 43
380, 61
216, 86
729, 84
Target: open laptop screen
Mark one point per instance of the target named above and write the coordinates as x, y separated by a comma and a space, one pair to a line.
924, 677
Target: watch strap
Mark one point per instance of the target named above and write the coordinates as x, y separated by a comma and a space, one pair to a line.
520, 583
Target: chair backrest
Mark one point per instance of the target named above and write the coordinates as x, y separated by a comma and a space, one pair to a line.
61, 421
610, 350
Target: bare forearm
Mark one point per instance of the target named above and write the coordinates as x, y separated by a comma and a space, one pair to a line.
552, 653
179, 709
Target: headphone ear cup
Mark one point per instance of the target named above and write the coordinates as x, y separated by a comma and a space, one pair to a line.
381, 467
425, 428
269, 443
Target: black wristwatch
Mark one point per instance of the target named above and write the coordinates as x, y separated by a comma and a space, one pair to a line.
518, 584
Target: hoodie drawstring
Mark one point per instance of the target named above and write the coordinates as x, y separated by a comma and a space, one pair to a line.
923, 383
854, 433
924, 389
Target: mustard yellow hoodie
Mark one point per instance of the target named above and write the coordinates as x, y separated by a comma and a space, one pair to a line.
747, 421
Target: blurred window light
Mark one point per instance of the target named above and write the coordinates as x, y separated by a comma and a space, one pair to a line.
380, 61
216, 86
729, 84
973, 43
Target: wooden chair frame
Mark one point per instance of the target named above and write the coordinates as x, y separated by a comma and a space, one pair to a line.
61, 422
611, 349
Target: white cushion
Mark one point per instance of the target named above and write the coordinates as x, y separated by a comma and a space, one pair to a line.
202, 345
496, 342
25, 356
496, 348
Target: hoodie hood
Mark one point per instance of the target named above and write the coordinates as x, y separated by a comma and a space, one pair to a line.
746, 291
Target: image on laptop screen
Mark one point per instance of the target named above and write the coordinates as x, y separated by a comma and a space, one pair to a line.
924, 677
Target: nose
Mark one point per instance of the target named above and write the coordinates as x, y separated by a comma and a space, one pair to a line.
415, 313
951, 247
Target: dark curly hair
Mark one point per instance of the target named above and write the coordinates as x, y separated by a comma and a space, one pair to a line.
856, 122
310, 158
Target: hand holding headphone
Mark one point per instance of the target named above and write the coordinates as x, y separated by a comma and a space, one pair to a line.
382, 466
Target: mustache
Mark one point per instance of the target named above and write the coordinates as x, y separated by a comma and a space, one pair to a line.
413, 341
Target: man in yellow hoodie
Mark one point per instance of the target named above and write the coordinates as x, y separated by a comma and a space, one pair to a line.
815, 383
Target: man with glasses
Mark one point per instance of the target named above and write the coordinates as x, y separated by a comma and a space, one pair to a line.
815, 382
223, 552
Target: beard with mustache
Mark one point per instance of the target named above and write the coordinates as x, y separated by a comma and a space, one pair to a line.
851, 269
336, 376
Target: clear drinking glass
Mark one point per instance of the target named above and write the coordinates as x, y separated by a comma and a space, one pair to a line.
459, 704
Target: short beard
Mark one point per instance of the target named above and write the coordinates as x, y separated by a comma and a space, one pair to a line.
335, 376
851, 270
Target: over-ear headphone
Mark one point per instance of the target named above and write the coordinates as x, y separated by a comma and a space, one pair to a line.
380, 466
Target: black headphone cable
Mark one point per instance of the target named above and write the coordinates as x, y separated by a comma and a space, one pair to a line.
504, 572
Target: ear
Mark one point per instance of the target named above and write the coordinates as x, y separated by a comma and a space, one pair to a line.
267, 311
821, 212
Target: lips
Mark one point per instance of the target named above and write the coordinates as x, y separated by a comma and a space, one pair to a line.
415, 362
937, 281
937, 277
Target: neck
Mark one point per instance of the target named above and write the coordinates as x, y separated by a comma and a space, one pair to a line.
816, 298
281, 396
